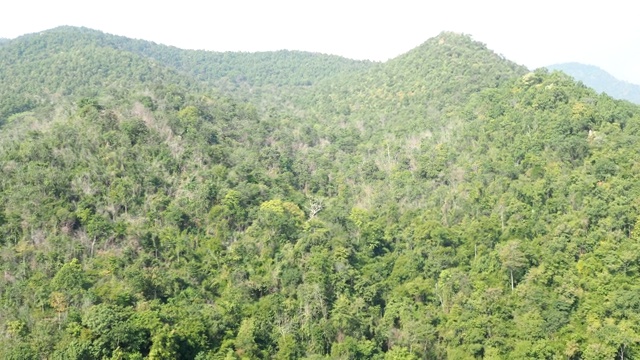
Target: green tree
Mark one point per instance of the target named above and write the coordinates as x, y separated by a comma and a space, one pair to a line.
512, 258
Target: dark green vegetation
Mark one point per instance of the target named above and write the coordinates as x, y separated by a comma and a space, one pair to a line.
167, 204
600, 80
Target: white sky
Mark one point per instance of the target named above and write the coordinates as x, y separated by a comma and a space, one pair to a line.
532, 33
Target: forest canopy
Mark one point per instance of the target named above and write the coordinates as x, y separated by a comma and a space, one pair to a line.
159, 203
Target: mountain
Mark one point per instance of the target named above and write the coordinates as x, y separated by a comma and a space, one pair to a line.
436, 75
447, 203
600, 80
78, 60
409, 104
41, 68
264, 68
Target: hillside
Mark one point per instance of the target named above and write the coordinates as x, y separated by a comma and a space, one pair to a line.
600, 81
77, 61
275, 68
45, 69
446, 204
415, 90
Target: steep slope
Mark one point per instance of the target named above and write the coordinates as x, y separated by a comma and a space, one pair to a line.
390, 115
445, 204
69, 60
440, 73
39, 68
600, 81
550, 164
91, 185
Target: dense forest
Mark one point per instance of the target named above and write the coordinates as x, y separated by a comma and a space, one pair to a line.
159, 203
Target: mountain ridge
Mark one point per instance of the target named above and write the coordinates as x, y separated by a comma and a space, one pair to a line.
600, 80
420, 84
448, 203
200, 62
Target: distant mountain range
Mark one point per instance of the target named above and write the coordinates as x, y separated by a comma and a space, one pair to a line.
600, 80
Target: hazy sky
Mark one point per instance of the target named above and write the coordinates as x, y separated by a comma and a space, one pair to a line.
532, 33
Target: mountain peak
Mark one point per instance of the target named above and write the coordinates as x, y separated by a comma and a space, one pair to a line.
453, 57
452, 44
65, 31
452, 35
331, 202
453, 38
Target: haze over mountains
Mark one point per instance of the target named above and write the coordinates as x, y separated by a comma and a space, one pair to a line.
158, 203
600, 80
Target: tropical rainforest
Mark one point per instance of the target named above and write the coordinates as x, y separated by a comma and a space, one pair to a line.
159, 203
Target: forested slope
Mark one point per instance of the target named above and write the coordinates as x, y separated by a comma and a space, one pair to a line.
445, 204
600, 81
222, 69
79, 61
47, 69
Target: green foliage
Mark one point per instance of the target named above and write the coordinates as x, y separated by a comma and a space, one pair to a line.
600, 80
158, 203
